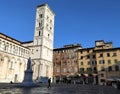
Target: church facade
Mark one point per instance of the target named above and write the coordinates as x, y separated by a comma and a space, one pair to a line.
40, 50
13, 58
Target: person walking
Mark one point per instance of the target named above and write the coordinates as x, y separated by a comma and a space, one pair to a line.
49, 83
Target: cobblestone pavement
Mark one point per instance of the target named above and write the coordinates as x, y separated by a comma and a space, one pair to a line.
59, 89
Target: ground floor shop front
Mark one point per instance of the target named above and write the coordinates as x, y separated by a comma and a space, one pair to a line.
78, 79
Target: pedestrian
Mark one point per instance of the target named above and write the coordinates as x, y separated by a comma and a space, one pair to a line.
11, 82
49, 83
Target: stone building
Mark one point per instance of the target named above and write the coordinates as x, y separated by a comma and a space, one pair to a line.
13, 59
65, 63
14, 54
95, 65
108, 62
41, 47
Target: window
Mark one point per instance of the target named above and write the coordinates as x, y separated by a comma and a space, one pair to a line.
109, 68
64, 63
116, 68
69, 64
101, 62
47, 18
87, 51
58, 69
50, 28
39, 33
88, 56
102, 68
5, 47
81, 63
48, 35
81, 69
88, 62
81, 52
41, 15
81, 57
116, 61
94, 56
102, 75
69, 56
75, 69
69, 70
101, 55
94, 62
102, 80
64, 70
89, 69
63, 51
75, 62
50, 21
58, 64
109, 61
2, 59
95, 69
108, 54
114, 54
39, 24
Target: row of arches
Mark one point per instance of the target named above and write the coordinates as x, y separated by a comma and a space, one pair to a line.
11, 68
41, 68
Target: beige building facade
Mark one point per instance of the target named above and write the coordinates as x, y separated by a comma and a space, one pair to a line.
99, 64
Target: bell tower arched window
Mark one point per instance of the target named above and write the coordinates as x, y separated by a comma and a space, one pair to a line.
39, 33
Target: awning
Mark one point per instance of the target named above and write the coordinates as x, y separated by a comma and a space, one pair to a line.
83, 75
113, 78
118, 79
86, 75
79, 74
110, 79
94, 75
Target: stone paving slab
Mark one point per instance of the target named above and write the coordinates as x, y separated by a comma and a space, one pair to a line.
58, 89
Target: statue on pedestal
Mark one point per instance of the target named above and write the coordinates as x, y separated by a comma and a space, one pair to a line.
27, 81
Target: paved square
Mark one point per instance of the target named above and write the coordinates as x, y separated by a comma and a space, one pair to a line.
59, 89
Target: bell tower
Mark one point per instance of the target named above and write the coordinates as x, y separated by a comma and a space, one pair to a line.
43, 41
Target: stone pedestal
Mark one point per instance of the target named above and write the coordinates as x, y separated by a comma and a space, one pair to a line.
28, 82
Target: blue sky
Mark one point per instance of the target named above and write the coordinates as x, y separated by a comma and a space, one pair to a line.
76, 21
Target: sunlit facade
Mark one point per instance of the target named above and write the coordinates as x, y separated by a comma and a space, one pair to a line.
14, 54
13, 59
65, 63
95, 65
